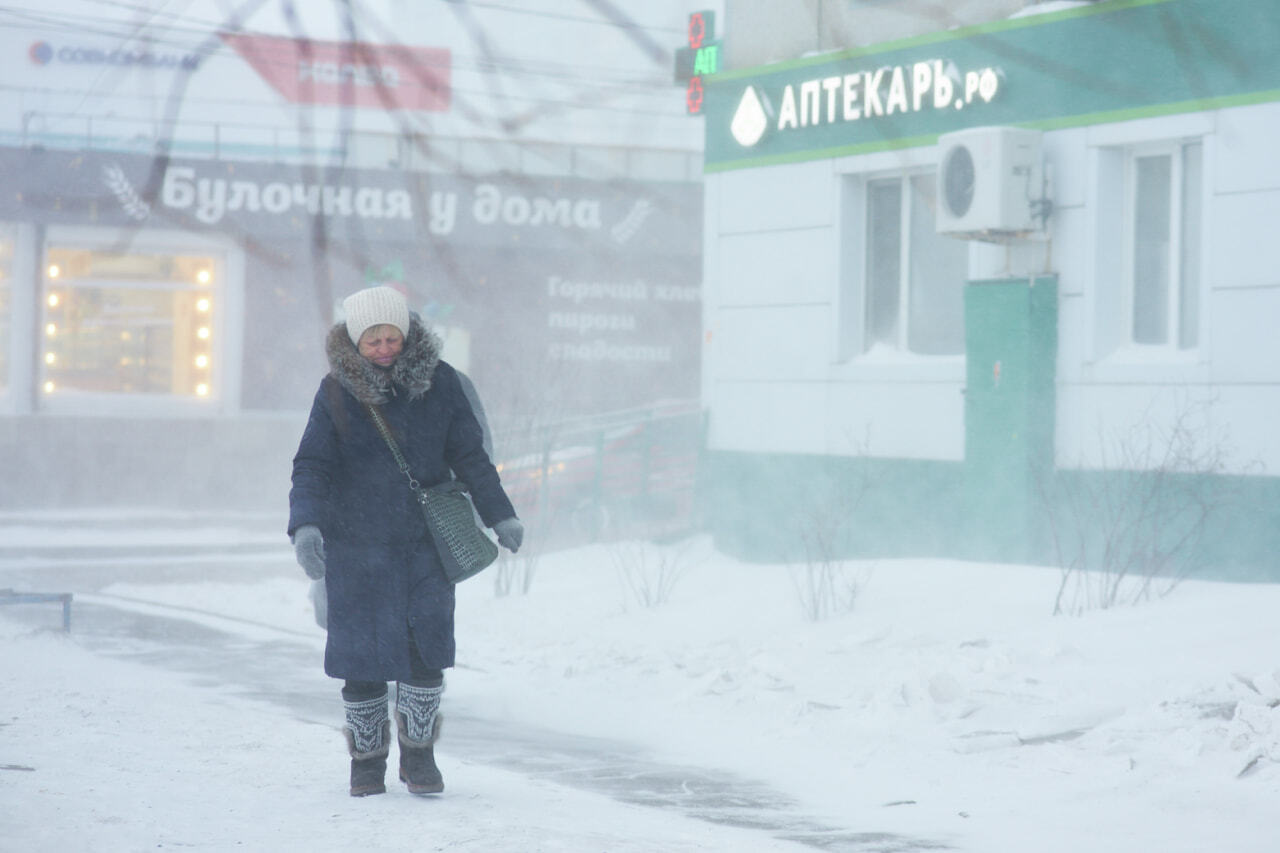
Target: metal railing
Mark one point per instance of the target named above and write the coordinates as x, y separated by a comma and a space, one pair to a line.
630, 473
356, 149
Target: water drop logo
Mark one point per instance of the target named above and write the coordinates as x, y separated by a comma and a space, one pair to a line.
750, 120
40, 52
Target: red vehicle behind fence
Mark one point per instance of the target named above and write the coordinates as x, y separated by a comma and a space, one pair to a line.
627, 474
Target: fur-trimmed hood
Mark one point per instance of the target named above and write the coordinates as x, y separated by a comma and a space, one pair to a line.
369, 383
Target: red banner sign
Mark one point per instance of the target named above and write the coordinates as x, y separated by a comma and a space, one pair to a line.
355, 74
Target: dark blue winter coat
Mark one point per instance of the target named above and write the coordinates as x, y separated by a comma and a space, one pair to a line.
382, 574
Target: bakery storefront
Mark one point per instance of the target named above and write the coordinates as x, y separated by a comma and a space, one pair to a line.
162, 320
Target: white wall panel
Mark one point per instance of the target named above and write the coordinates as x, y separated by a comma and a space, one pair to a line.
1098, 426
1073, 317
896, 420
799, 195
1245, 336
1066, 152
1018, 259
1103, 426
779, 268
1072, 229
1104, 252
772, 343
885, 420
1245, 251
893, 161
1141, 130
1246, 149
767, 417
1247, 416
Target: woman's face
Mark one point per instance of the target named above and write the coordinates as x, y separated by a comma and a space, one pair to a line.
381, 345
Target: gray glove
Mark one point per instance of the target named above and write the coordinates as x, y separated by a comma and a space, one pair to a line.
308, 547
510, 533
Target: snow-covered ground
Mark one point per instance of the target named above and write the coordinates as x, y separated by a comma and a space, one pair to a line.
947, 706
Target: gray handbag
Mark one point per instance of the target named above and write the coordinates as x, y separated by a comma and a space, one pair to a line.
464, 548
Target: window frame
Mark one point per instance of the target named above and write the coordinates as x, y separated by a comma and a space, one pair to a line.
227, 329
854, 335
902, 319
1177, 283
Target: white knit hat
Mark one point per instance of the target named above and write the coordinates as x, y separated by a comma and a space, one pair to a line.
375, 306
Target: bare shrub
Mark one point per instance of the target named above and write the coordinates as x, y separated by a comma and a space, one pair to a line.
515, 572
526, 445
650, 572
1129, 531
825, 585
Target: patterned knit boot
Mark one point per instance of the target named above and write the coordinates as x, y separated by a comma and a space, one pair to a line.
368, 734
418, 722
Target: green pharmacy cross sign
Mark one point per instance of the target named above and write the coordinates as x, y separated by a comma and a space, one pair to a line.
699, 58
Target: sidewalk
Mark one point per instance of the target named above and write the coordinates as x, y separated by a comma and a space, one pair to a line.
263, 684
151, 680
143, 732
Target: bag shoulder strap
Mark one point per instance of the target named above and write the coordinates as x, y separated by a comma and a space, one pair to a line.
385, 432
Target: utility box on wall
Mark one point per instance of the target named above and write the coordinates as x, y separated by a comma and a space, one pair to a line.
1011, 333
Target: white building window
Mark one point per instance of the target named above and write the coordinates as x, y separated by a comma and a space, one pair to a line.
1164, 198
129, 323
912, 278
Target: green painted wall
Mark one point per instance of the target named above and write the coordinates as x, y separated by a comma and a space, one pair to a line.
766, 506
763, 507
1221, 527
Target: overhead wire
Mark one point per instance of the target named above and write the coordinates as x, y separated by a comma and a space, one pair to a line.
532, 99
606, 22
94, 88
197, 29
523, 106
489, 67
475, 4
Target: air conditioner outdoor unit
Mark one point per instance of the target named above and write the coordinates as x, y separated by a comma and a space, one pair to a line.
989, 185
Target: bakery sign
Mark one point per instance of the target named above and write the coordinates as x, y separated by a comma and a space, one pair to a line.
349, 73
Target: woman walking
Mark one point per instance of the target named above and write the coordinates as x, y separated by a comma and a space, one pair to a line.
354, 522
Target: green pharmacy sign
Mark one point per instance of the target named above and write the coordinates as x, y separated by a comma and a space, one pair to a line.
862, 95
1105, 62
699, 58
